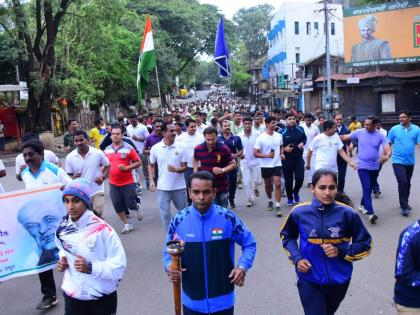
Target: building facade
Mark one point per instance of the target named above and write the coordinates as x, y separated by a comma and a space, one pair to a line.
297, 35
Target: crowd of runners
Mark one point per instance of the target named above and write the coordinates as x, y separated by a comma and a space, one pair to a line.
196, 156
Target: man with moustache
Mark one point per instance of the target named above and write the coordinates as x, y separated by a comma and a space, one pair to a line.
171, 160
39, 173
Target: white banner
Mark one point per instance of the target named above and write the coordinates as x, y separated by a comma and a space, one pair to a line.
28, 221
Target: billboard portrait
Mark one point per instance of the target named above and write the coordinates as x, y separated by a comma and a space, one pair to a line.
382, 34
28, 221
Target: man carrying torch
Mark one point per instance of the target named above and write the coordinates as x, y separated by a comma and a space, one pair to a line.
209, 233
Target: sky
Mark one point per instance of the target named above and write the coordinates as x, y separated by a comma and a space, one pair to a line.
229, 8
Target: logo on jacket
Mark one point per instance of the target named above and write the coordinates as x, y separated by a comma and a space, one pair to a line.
216, 233
219, 157
313, 233
335, 231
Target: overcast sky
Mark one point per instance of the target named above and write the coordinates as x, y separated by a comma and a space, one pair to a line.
229, 8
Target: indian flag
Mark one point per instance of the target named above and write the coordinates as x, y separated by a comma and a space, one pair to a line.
217, 232
147, 59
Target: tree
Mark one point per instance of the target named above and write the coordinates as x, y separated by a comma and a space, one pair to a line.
252, 25
37, 51
98, 49
240, 77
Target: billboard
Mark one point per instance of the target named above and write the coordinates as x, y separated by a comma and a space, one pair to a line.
382, 34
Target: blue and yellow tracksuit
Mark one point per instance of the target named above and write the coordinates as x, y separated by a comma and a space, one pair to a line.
407, 267
209, 255
314, 224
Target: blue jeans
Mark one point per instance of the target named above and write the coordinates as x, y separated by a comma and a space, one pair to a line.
179, 199
368, 178
221, 199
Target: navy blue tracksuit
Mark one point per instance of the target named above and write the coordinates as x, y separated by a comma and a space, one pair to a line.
293, 164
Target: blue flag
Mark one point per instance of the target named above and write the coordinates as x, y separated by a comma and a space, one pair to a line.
221, 52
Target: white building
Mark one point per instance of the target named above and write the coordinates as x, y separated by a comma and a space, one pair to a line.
297, 35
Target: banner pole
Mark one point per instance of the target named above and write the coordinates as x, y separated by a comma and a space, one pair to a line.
158, 86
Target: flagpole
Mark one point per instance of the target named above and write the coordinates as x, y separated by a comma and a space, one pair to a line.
158, 86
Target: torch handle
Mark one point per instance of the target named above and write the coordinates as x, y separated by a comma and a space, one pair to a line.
176, 265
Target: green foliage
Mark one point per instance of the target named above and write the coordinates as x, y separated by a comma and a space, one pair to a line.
240, 77
9, 56
98, 52
252, 25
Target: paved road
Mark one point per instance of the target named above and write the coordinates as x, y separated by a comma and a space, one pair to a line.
270, 285
200, 95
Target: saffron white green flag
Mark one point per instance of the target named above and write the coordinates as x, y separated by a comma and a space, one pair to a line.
147, 59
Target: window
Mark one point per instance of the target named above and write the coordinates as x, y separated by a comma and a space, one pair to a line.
308, 28
388, 103
332, 28
316, 28
296, 28
297, 57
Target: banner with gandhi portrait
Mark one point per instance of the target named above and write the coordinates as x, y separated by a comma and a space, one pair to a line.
28, 221
382, 34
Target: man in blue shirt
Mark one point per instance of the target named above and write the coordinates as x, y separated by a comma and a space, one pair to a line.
404, 138
234, 144
369, 160
208, 267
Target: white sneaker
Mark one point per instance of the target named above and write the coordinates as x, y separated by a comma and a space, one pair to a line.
139, 213
362, 209
127, 228
250, 202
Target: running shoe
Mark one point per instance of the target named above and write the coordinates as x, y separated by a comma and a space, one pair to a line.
290, 202
250, 202
377, 194
139, 212
127, 228
296, 198
373, 218
362, 209
405, 212
257, 192
278, 212
47, 302
270, 206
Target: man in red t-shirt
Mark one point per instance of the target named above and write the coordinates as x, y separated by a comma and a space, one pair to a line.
123, 159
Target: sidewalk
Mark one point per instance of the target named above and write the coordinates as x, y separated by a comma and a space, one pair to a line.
9, 158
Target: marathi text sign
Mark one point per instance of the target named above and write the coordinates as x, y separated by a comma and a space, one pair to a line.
28, 221
382, 34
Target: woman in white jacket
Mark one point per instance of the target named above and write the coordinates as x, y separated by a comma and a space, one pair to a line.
91, 256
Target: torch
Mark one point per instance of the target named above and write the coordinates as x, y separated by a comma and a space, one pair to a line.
175, 249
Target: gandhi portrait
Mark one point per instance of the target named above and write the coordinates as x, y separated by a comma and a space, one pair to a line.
40, 218
370, 48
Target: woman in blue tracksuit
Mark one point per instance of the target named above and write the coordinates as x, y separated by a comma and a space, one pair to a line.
331, 236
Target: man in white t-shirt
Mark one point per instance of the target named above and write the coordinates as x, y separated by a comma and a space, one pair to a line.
189, 140
325, 147
171, 160
311, 131
201, 125
268, 148
91, 164
138, 133
250, 165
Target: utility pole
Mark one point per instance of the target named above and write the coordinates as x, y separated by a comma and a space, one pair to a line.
327, 57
